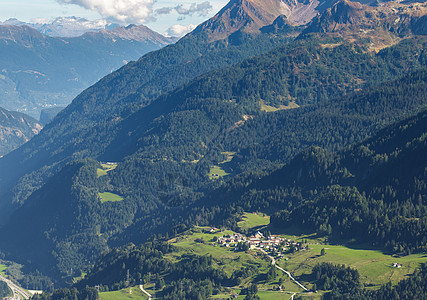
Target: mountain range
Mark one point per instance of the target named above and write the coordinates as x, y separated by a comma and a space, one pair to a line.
253, 92
39, 71
64, 26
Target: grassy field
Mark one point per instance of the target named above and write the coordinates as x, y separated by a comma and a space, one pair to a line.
3, 269
110, 197
105, 168
375, 268
229, 157
268, 108
251, 220
217, 172
136, 294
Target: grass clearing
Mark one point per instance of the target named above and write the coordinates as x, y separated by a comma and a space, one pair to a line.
229, 157
273, 295
217, 172
133, 293
77, 279
375, 268
109, 197
268, 108
105, 168
252, 220
3, 270
101, 172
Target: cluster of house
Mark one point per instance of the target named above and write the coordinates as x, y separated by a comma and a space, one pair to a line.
259, 241
396, 265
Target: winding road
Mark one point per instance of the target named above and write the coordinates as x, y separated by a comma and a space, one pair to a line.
144, 291
273, 262
15, 288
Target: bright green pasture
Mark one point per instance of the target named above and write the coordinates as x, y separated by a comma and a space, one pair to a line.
217, 172
101, 172
124, 294
268, 108
251, 220
375, 268
109, 197
105, 168
3, 269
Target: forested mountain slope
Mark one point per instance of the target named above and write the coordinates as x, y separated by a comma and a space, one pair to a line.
160, 193
268, 140
86, 126
235, 118
373, 193
91, 122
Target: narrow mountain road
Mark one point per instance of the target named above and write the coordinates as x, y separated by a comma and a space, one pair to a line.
273, 262
15, 288
292, 278
145, 292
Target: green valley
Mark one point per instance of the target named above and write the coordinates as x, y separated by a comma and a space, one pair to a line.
271, 153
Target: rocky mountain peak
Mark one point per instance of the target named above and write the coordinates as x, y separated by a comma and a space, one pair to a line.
251, 15
139, 33
384, 24
20, 34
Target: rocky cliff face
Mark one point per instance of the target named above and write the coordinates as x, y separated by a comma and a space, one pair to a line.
397, 18
251, 15
383, 25
15, 129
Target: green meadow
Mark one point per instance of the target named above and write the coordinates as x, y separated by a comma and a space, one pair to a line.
3, 269
132, 293
217, 172
109, 197
105, 168
250, 220
375, 267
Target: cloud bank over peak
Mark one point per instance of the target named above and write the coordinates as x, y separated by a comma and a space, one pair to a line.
180, 30
123, 11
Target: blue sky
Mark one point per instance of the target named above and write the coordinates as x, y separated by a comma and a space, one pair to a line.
26, 10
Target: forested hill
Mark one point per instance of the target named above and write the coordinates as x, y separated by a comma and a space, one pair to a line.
177, 155
373, 193
155, 195
268, 140
86, 126
16, 129
92, 121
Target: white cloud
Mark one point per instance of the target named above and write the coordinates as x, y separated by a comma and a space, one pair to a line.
201, 9
179, 30
124, 11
